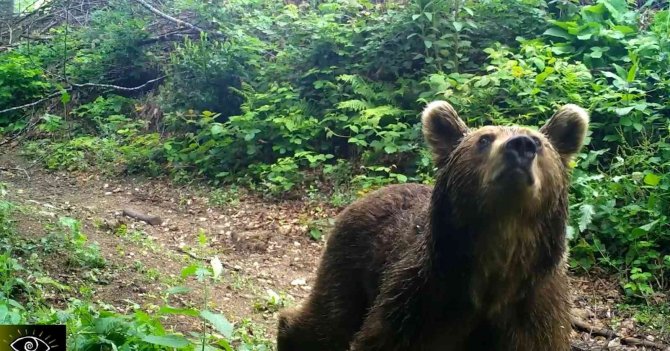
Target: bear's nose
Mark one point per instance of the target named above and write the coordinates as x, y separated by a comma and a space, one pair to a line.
520, 149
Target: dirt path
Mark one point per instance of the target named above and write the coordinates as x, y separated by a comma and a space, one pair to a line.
264, 245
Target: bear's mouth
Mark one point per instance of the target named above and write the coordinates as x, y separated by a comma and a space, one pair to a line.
516, 175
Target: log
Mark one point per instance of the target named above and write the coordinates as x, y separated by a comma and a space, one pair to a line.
153, 220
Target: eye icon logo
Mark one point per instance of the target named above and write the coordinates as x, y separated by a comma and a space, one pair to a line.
33, 338
30, 343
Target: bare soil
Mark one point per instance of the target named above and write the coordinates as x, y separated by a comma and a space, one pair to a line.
263, 244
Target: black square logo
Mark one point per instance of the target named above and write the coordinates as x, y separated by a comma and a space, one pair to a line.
32, 338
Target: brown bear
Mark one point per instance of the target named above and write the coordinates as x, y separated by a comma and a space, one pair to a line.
475, 263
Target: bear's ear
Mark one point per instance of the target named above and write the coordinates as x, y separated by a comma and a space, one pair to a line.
566, 130
442, 129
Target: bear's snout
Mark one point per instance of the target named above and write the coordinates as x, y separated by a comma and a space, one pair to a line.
520, 151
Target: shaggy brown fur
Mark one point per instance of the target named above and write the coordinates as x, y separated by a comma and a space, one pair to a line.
476, 263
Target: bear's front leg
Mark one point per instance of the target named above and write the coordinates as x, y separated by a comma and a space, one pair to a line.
544, 319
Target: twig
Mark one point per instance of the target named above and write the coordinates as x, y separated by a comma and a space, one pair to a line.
645, 343
116, 87
168, 17
16, 169
49, 97
191, 255
610, 334
110, 86
582, 326
204, 259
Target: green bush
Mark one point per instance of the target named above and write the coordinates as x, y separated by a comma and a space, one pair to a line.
21, 81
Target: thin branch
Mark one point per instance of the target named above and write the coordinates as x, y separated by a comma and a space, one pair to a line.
168, 17
110, 86
582, 326
29, 127
16, 169
48, 97
116, 87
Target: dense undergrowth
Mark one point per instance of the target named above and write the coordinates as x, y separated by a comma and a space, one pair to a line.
282, 98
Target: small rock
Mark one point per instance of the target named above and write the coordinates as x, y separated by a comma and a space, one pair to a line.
614, 343
299, 282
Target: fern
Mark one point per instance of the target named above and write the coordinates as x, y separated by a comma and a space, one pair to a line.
353, 105
382, 111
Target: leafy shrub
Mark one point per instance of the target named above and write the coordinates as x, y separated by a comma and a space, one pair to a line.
21, 82
205, 74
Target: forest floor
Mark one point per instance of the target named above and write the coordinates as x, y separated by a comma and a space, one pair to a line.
263, 245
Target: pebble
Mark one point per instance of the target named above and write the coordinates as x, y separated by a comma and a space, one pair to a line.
299, 282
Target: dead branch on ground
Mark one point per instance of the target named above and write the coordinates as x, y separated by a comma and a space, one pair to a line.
168, 17
153, 220
610, 334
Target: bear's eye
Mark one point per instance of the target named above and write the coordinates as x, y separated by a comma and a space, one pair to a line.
538, 142
485, 140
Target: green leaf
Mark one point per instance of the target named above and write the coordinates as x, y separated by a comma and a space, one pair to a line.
564, 49
175, 341
613, 76
620, 71
538, 62
249, 136
652, 179
219, 322
216, 129
315, 234
631, 73
429, 15
428, 43
189, 271
389, 149
64, 97
596, 52
586, 216
557, 32
458, 26
622, 111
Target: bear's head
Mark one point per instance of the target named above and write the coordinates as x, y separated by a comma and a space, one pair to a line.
498, 170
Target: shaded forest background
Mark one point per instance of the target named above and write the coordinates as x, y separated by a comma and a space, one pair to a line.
293, 99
